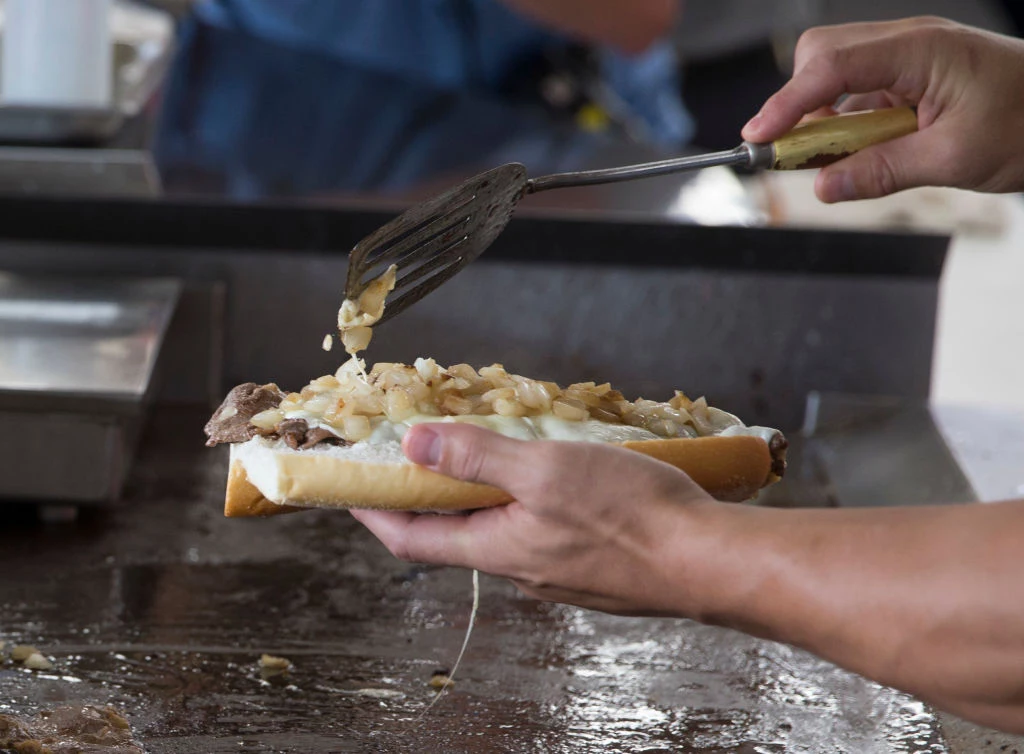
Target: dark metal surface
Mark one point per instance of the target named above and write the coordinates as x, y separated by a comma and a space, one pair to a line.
624, 305
163, 607
139, 226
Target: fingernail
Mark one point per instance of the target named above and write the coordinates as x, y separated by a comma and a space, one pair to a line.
754, 122
423, 447
839, 187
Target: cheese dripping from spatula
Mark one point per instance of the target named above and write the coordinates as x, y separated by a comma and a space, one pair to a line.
356, 318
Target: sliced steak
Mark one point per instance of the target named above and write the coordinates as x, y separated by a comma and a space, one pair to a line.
298, 436
320, 435
293, 432
230, 422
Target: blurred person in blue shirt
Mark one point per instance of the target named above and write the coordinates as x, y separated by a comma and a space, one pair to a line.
326, 95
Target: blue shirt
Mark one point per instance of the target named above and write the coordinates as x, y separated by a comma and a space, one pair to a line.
455, 44
298, 97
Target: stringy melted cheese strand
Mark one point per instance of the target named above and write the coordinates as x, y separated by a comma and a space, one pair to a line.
465, 642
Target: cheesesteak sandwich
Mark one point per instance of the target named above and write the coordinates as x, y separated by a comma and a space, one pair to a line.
337, 442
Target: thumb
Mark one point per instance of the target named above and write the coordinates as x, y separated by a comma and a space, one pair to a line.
880, 170
469, 453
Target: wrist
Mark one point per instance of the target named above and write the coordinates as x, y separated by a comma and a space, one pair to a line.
716, 577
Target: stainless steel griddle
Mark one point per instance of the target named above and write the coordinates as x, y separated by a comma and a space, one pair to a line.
172, 605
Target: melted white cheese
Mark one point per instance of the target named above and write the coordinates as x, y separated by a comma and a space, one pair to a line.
764, 433
546, 427
521, 428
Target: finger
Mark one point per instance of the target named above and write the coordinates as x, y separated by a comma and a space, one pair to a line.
387, 526
821, 112
472, 454
856, 103
856, 69
881, 170
815, 41
819, 39
464, 541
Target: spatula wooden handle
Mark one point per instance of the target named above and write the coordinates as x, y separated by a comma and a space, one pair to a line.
821, 142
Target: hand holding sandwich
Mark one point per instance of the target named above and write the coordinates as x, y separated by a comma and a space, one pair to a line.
592, 525
928, 600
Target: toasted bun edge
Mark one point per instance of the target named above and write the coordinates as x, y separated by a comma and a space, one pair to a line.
731, 469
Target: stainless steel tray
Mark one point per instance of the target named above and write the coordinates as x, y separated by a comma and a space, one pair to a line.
64, 171
77, 366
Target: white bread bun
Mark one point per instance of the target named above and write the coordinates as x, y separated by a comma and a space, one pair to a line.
268, 478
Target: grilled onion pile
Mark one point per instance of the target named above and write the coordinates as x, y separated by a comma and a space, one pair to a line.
352, 406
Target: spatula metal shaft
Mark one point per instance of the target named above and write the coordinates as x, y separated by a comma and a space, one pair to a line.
746, 155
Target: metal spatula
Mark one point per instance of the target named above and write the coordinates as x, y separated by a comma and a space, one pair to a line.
431, 242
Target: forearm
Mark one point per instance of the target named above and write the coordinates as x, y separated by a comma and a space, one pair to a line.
630, 27
927, 600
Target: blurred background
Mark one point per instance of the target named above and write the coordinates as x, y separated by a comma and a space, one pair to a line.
331, 101
251, 99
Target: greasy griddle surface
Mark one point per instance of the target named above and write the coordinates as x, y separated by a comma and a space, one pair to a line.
162, 608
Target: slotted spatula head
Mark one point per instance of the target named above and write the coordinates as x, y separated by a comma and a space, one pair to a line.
432, 241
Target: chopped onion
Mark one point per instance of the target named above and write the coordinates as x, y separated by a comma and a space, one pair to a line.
348, 403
